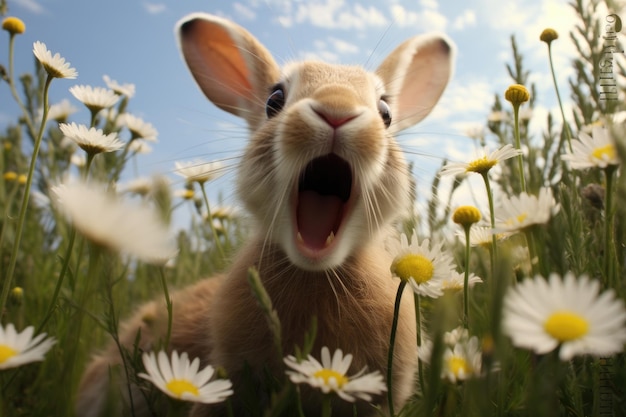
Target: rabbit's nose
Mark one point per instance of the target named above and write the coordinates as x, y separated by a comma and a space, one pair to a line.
334, 120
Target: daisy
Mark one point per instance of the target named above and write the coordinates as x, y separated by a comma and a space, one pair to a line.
55, 65
330, 376
454, 336
139, 146
456, 281
483, 161
481, 236
95, 98
497, 116
541, 315
423, 267
520, 212
140, 186
127, 90
138, 128
199, 171
462, 361
61, 110
597, 150
113, 224
91, 140
17, 349
180, 378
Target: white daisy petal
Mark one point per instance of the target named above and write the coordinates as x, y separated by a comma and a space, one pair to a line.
542, 314
199, 171
114, 224
55, 65
91, 140
516, 213
424, 266
330, 376
595, 151
179, 378
94, 98
482, 162
19, 348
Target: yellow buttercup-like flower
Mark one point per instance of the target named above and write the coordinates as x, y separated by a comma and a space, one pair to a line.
13, 25
466, 215
517, 94
548, 35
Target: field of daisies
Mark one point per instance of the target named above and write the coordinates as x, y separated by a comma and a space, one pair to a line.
519, 307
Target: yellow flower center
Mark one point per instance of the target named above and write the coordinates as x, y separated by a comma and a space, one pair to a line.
6, 353
327, 374
458, 365
604, 152
517, 220
414, 266
180, 386
565, 326
481, 165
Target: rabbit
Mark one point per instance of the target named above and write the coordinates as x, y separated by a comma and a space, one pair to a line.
325, 183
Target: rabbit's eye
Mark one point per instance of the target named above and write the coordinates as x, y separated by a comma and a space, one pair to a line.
384, 111
275, 101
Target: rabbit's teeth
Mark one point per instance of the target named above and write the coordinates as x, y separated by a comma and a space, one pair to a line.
299, 238
330, 238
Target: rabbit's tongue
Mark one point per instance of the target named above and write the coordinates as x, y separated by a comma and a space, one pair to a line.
318, 217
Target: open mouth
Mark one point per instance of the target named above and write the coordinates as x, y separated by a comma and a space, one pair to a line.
324, 190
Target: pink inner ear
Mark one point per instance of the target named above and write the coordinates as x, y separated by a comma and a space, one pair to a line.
425, 79
216, 63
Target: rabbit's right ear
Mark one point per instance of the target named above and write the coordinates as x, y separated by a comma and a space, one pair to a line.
233, 69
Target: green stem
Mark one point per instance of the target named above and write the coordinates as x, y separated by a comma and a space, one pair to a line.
168, 304
11, 82
520, 157
466, 277
609, 247
57, 288
492, 217
218, 244
392, 340
532, 250
326, 406
558, 96
418, 327
22, 216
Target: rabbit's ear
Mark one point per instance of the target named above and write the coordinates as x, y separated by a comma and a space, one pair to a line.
415, 75
232, 68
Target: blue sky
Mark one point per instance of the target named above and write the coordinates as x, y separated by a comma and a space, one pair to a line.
132, 41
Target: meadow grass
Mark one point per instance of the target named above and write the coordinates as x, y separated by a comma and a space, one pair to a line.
76, 284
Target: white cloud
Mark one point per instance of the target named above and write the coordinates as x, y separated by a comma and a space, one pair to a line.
334, 14
463, 99
426, 20
244, 12
464, 20
154, 8
32, 6
343, 47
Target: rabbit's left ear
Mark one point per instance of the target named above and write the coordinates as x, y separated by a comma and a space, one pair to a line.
415, 75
